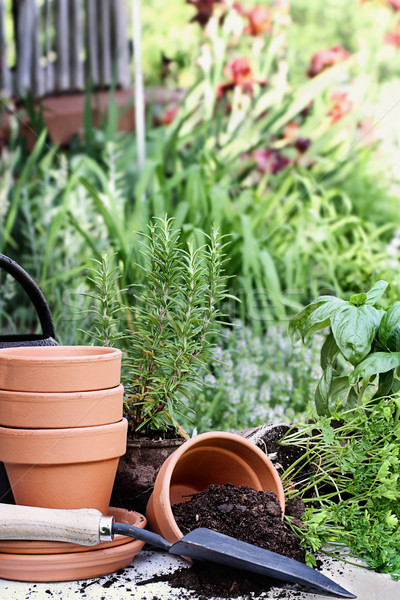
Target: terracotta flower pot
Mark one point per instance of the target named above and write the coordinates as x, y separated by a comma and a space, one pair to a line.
215, 457
137, 471
63, 468
59, 368
43, 410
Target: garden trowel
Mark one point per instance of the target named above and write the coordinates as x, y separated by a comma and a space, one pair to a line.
89, 527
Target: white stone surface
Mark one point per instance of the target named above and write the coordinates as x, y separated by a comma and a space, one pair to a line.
367, 585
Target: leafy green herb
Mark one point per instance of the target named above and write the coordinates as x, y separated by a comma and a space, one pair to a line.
175, 322
349, 479
359, 356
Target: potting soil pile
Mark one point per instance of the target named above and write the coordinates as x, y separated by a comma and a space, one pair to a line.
245, 514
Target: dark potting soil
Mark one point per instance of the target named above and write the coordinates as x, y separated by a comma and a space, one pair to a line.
243, 513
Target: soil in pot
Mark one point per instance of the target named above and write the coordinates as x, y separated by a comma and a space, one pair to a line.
137, 471
241, 512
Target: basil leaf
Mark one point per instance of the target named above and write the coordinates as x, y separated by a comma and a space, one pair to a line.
339, 391
386, 381
305, 322
352, 397
322, 392
358, 299
354, 329
377, 362
389, 328
376, 292
329, 351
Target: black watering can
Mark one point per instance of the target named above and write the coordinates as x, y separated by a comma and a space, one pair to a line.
46, 338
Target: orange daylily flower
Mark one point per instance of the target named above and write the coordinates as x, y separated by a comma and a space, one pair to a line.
342, 105
260, 20
239, 73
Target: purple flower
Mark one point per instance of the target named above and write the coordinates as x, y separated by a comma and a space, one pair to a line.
270, 161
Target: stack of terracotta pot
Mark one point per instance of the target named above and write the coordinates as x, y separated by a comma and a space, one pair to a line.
61, 436
61, 426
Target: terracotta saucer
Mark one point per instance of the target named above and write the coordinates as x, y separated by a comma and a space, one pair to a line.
74, 564
68, 567
46, 548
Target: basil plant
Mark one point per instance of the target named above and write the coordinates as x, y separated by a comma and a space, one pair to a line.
361, 352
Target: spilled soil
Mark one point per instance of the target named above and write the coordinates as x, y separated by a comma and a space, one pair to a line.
240, 512
245, 514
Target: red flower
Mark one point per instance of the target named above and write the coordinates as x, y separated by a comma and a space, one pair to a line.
238, 72
204, 10
342, 105
326, 58
394, 4
169, 115
260, 20
393, 37
269, 160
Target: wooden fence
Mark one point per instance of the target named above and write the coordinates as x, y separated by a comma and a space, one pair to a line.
63, 45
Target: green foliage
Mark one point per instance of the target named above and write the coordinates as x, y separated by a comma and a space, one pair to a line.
173, 326
255, 379
173, 322
349, 479
106, 329
360, 332
314, 225
295, 230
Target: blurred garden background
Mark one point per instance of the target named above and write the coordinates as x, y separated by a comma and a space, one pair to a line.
282, 127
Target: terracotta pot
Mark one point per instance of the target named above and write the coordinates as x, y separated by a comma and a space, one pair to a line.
137, 471
64, 114
59, 368
63, 468
215, 457
39, 410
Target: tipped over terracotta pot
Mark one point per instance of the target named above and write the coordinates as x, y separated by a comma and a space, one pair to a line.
59, 368
214, 457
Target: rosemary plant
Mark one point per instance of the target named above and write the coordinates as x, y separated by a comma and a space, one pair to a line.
106, 311
174, 324
176, 321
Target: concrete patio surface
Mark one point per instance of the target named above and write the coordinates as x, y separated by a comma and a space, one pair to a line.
367, 585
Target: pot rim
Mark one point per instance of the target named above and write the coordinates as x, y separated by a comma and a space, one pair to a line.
63, 446
17, 396
63, 432
58, 354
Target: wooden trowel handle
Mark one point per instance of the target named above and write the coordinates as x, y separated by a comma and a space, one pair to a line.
86, 526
